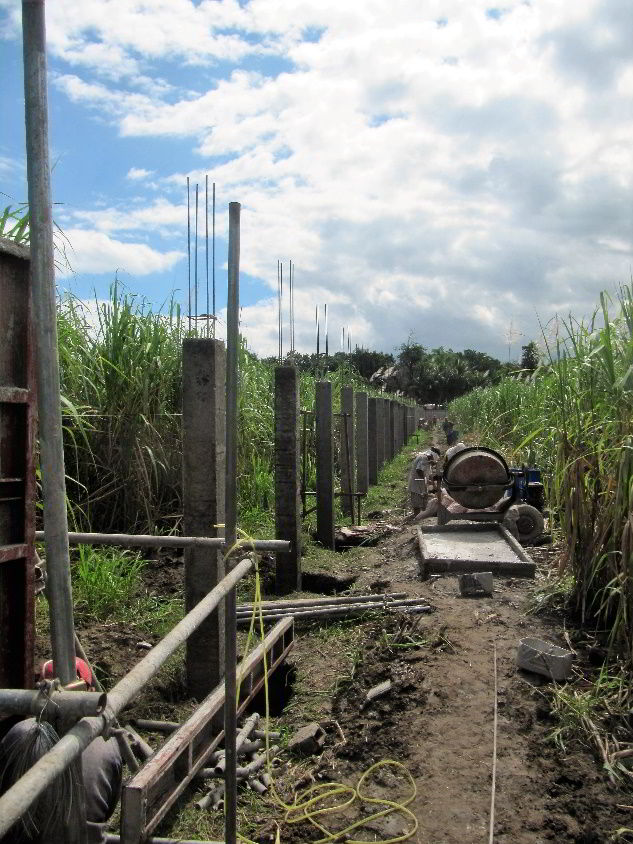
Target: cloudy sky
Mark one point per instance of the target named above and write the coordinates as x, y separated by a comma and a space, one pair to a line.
443, 168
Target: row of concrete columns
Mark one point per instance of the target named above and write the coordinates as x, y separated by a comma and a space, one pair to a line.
371, 430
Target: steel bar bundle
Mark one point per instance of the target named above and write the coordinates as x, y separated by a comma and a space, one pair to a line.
333, 608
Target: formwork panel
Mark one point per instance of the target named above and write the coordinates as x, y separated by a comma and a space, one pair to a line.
17, 469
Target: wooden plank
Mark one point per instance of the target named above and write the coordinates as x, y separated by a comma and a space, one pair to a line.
147, 797
14, 395
516, 546
436, 563
453, 566
8, 553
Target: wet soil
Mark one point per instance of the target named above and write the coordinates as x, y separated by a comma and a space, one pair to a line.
438, 720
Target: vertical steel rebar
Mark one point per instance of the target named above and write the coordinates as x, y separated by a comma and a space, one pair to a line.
195, 266
278, 311
327, 350
213, 259
230, 530
43, 288
206, 242
189, 253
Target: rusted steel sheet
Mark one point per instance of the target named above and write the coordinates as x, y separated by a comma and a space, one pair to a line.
17, 468
147, 797
13, 395
8, 553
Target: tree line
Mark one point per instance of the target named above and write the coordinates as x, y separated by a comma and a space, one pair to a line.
427, 375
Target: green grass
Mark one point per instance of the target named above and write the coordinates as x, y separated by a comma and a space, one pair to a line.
107, 584
390, 492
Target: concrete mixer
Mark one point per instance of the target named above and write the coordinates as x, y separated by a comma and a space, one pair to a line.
476, 484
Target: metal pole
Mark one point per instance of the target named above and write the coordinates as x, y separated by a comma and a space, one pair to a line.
126, 540
43, 288
189, 250
195, 265
378, 598
213, 257
230, 529
206, 240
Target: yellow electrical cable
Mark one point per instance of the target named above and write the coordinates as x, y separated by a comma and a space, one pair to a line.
302, 806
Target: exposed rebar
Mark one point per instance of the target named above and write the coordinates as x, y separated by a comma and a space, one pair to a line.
230, 529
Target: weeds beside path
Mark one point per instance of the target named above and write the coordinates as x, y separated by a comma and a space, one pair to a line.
437, 720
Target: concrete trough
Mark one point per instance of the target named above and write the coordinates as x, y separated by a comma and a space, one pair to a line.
464, 548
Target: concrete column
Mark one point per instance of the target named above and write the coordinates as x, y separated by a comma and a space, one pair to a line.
203, 469
403, 425
398, 428
347, 448
386, 430
410, 422
393, 428
380, 434
324, 465
362, 447
287, 468
372, 440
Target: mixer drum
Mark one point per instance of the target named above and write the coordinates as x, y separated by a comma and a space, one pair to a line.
482, 470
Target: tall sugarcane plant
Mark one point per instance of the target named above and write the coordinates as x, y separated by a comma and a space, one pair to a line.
573, 417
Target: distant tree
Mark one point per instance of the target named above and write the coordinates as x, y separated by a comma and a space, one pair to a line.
366, 362
530, 358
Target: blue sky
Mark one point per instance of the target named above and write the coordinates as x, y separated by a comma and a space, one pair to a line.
444, 169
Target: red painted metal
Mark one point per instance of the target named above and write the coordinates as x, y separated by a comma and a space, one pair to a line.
17, 469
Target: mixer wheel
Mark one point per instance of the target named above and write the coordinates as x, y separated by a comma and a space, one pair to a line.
530, 523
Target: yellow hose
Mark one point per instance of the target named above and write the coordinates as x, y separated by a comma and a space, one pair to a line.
306, 805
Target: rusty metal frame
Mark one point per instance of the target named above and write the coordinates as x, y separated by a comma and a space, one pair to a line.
148, 796
18, 420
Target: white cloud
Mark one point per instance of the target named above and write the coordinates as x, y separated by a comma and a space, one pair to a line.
160, 215
97, 252
139, 174
481, 167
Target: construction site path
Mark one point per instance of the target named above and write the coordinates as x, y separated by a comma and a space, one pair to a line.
441, 719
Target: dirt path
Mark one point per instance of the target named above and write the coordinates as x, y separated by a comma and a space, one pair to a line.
440, 720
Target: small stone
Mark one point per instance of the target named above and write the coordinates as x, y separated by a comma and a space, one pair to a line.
307, 740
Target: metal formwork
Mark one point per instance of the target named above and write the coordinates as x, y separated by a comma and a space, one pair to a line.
17, 470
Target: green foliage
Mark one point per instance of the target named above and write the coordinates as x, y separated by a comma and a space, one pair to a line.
106, 583
122, 400
14, 223
530, 357
121, 394
439, 375
573, 418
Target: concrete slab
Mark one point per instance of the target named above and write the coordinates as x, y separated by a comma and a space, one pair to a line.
473, 547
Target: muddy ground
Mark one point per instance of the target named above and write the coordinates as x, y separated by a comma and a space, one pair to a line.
437, 720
